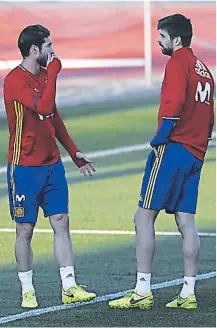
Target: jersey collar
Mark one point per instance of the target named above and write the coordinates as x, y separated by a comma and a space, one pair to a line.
182, 51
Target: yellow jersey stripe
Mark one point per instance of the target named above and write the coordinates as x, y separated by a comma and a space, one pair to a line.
18, 133
20, 108
14, 154
17, 146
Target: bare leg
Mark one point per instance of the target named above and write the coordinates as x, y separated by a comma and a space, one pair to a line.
191, 247
145, 247
23, 253
191, 242
145, 238
63, 249
23, 248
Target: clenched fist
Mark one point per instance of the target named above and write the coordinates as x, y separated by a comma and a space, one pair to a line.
53, 64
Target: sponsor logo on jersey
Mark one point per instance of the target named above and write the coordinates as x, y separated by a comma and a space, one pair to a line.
201, 69
203, 93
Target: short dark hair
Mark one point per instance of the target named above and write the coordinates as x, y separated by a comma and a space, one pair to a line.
177, 25
32, 34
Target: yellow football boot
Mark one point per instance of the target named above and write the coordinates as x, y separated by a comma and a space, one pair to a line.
76, 294
29, 300
188, 303
133, 300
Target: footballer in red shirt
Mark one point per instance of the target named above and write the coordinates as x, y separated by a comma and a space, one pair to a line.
173, 168
36, 176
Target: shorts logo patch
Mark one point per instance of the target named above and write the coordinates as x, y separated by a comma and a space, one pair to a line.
19, 212
140, 198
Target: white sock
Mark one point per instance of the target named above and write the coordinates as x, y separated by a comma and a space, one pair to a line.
26, 281
67, 274
143, 285
188, 287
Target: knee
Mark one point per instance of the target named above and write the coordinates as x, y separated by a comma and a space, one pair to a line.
137, 215
60, 223
144, 218
181, 226
185, 222
24, 231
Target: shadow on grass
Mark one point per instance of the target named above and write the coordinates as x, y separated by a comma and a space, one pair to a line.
108, 270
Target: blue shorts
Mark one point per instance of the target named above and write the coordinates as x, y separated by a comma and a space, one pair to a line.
171, 181
31, 187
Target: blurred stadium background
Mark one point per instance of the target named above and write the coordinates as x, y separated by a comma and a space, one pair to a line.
102, 43
110, 111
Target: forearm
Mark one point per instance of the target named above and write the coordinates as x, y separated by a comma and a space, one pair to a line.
172, 108
210, 131
162, 136
212, 122
64, 138
45, 104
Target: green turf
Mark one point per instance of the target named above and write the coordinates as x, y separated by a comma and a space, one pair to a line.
102, 130
110, 203
112, 268
100, 315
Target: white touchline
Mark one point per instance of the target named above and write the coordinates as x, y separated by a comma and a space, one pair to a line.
86, 63
102, 153
34, 313
114, 151
111, 232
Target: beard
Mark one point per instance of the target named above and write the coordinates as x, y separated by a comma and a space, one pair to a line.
42, 60
166, 51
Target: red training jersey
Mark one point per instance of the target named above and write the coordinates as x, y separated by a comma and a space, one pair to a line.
187, 95
33, 119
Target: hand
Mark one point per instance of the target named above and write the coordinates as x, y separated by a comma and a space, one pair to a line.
53, 63
88, 168
50, 58
156, 152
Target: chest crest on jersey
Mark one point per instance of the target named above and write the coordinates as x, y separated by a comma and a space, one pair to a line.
43, 117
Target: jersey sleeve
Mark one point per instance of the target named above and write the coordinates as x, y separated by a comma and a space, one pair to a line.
17, 89
162, 136
64, 138
175, 89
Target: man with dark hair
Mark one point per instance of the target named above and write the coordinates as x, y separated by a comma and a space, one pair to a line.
36, 176
177, 25
173, 168
33, 34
